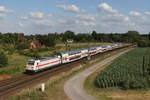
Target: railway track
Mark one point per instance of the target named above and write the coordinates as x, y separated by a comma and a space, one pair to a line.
11, 86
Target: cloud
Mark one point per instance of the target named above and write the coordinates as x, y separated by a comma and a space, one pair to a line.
49, 15
106, 19
37, 15
70, 8
20, 24
42, 22
147, 13
111, 14
24, 17
106, 8
135, 14
5, 10
86, 17
86, 23
2, 16
81, 19
114, 21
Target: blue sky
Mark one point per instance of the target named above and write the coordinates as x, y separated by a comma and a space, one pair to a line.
44, 16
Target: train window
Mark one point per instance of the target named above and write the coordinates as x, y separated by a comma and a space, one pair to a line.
30, 62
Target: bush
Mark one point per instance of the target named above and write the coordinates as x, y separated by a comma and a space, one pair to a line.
143, 43
9, 49
29, 54
22, 46
3, 59
39, 49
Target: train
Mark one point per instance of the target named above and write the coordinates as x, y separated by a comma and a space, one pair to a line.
36, 65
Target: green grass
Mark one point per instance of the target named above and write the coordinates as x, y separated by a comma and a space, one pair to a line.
16, 65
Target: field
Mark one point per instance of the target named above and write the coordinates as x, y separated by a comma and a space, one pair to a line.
17, 62
128, 63
130, 71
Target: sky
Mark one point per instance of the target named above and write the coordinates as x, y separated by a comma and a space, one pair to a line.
80, 16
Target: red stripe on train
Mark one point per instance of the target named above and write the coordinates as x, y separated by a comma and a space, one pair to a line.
62, 59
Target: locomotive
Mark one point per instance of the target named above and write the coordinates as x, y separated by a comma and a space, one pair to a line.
35, 65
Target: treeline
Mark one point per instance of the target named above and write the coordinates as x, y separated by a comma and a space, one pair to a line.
12, 42
51, 39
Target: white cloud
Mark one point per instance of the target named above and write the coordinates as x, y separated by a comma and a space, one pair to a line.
2, 15
20, 24
87, 23
106, 8
111, 14
24, 17
5, 10
42, 22
134, 13
86, 17
37, 15
106, 20
49, 15
70, 8
78, 23
147, 13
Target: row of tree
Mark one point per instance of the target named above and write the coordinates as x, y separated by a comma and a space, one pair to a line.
52, 38
49, 40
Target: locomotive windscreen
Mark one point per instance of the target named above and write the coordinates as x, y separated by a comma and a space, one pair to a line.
30, 62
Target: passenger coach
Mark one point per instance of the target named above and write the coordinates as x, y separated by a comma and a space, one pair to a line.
42, 63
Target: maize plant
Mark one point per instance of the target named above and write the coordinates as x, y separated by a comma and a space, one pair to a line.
129, 71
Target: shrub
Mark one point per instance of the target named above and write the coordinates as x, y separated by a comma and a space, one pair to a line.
22, 46
143, 43
3, 59
40, 49
29, 54
9, 49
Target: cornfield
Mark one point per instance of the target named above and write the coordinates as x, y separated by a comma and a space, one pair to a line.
129, 71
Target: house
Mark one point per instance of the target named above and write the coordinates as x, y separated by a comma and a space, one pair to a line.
21, 37
70, 41
35, 44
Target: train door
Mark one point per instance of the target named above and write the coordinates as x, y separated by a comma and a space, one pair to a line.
64, 58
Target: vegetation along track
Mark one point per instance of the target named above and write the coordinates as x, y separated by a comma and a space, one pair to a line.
13, 85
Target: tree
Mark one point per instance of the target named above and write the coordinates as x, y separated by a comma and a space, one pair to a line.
133, 36
21, 46
94, 35
3, 59
149, 35
9, 38
68, 35
47, 40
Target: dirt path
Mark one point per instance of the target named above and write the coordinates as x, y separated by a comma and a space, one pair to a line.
74, 87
